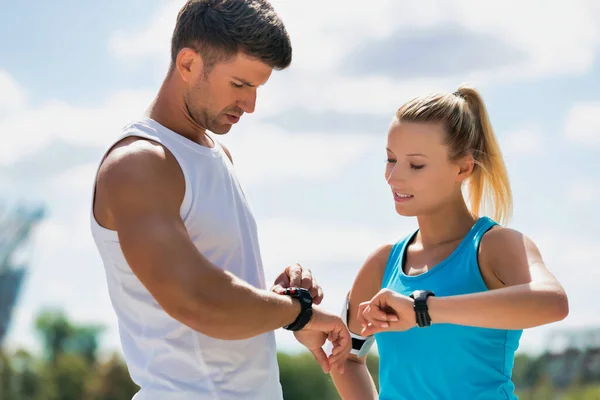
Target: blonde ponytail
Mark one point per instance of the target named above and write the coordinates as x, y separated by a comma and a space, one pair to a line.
488, 187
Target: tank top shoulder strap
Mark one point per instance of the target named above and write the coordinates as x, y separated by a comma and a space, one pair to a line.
483, 226
395, 259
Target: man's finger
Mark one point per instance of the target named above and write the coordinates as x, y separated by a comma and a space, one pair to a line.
339, 354
341, 367
315, 290
321, 358
341, 336
283, 280
278, 289
333, 336
307, 279
319, 297
295, 275
338, 363
339, 348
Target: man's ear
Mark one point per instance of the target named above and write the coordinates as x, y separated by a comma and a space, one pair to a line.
188, 64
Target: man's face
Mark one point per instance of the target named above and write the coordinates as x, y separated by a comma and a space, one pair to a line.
217, 101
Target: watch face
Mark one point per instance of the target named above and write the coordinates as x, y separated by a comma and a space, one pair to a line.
421, 294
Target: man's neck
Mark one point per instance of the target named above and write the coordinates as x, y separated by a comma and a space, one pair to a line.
169, 110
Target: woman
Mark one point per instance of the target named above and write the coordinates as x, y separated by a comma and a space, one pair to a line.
447, 304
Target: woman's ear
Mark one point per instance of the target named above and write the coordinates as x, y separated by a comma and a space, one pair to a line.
465, 167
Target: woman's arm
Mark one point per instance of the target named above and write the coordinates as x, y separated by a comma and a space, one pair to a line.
356, 382
528, 294
525, 294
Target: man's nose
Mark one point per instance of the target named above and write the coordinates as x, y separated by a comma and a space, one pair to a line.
248, 103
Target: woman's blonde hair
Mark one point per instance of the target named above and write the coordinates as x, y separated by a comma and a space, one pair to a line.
469, 130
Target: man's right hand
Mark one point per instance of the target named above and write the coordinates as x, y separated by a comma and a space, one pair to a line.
322, 326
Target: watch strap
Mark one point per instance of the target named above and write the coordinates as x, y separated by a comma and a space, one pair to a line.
420, 306
305, 314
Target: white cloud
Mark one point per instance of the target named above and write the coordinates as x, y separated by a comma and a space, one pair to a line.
525, 141
268, 154
76, 181
556, 37
365, 95
562, 38
33, 128
12, 96
309, 242
152, 40
583, 124
584, 192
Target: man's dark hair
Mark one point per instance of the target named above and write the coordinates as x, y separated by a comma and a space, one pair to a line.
218, 29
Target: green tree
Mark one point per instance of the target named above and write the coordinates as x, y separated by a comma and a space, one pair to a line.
27, 381
54, 329
112, 381
67, 379
84, 341
583, 392
302, 378
7, 375
373, 367
523, 373
59, 335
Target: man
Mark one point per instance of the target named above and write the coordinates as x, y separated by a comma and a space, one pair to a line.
175, 233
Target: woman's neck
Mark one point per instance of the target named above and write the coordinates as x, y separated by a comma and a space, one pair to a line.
447, 224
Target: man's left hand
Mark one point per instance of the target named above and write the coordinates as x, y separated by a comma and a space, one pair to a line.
297, 276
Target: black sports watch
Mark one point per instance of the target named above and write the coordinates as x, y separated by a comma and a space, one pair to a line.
421, 309
306, 308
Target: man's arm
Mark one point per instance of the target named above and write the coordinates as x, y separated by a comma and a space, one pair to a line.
143, 188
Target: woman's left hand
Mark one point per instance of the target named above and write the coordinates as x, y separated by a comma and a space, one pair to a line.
386, 311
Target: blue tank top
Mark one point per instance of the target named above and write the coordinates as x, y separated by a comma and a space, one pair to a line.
445, 361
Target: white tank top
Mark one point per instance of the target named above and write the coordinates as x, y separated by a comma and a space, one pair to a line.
167, 359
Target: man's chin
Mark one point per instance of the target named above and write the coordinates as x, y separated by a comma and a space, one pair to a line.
220, 129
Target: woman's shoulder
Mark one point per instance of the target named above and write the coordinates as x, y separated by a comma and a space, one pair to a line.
500, 241
507, 254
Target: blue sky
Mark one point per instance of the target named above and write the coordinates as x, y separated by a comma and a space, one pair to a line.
312, 156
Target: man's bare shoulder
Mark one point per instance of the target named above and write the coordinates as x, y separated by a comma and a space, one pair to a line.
137, 173
137, 160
